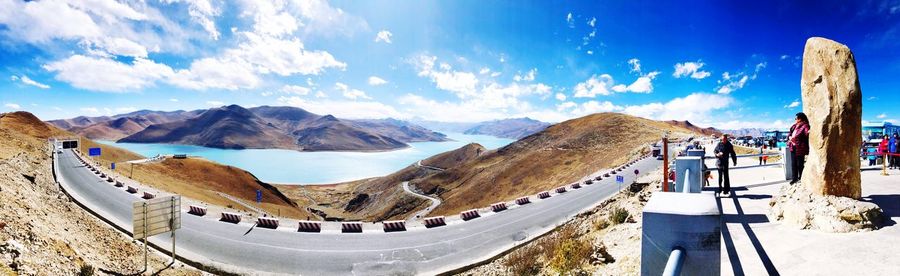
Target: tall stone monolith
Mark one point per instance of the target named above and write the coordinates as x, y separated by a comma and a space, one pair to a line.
827, 199
833, 102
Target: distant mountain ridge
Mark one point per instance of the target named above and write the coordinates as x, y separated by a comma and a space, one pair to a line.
514, 128
692, 127
236, 127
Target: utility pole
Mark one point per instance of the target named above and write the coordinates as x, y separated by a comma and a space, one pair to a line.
665, 153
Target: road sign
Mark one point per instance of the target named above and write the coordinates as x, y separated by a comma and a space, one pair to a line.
636, 172
156, 216
258, 196
94, 152
620, 179
112, 166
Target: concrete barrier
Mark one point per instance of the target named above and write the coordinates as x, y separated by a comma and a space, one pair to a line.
351, 227
109, 179
612, 172
690, 221
589, 182
267, 222
435, 222
309, 226
119, 184
230, 217
561, 190
544, 194
394, 226
197, 210
523, 200
598, 178
131, 190
576, 186
606, 175
102, 175
469, 215
148, 195
499, 206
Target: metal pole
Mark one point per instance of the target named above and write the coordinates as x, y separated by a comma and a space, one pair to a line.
172, 226
687, 182
145, 236
884, 165
676, 259
665, 153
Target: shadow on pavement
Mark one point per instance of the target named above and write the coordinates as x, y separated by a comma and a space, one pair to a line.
745, 221
890, 204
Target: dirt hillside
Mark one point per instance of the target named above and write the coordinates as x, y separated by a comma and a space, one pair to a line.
562, 153
41, 231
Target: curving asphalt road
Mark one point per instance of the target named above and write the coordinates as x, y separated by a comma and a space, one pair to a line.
243, 248
421, 213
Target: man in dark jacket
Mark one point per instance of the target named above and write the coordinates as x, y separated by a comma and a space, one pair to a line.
723, 150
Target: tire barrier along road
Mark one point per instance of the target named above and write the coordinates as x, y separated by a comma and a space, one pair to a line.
576, 186
394, 226
267, 222
132, 190
469, 215
561, 190
544, 194
523, 200
351, 227
148, 195
119, 184
230, 217
110, 179
309, 226
499, 206
197, 210
431, 222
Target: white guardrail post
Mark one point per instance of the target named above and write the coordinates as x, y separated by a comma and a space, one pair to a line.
689, 174
681, 228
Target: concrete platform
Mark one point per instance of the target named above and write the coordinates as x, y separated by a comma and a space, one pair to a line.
753, 245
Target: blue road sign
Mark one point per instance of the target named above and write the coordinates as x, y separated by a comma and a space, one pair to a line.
620, 179
112, 166
94, 152
258, 196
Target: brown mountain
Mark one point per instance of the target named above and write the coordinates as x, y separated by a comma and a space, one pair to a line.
692, 127
122, 125
515, 128
330, 133
562, 153
231, 127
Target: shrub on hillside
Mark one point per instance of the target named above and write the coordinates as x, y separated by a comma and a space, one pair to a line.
618, 215
571, 255
524, 261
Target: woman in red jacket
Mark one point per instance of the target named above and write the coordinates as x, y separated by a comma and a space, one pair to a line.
798, 144
883, 147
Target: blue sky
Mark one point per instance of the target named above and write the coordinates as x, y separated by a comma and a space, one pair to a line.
723, 64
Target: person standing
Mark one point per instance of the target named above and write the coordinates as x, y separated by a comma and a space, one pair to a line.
798, 145
723, 150
883, 149
892, 149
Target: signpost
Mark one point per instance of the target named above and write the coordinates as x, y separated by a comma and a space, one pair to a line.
112, 166
258, 196
156, 216
94, 152
619, 180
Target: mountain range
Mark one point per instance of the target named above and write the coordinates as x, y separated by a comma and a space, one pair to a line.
235, 127
514, 128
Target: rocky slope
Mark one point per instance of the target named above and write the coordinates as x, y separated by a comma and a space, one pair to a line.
688, 125
41, 231
562, 153
508, 128
122, 125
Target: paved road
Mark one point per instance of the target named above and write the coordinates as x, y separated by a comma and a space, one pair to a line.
419, 164
240, 247
421, 214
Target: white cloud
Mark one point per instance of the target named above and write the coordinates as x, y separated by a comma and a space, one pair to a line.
384, 36
484, 70
345, 109
91, 110
783, 57
570, 20
215, 103
529, 76
26, 80
174, 100
691, 69
793, 104
635, 65
281, 56
104, 74
12, 106
462, 84
350, 93
202, 12
696, 107
592, 22
126, 109
731, 85
216, 73
561, 96
375, 81
882, 116
759, 67
295, 89
593, 86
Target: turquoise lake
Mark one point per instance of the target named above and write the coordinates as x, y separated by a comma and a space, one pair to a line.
295, 167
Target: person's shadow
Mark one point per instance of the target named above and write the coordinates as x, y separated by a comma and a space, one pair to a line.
745, 221
890, 205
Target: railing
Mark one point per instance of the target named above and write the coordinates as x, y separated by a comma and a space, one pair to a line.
676, 259
747, 156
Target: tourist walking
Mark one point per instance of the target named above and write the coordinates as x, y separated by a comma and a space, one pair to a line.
763, 159
892, 149
723, 150
798, 145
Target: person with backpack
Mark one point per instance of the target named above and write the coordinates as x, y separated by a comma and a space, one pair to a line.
798, 145
892, 149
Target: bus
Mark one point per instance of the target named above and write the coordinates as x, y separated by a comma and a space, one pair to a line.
874, 132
